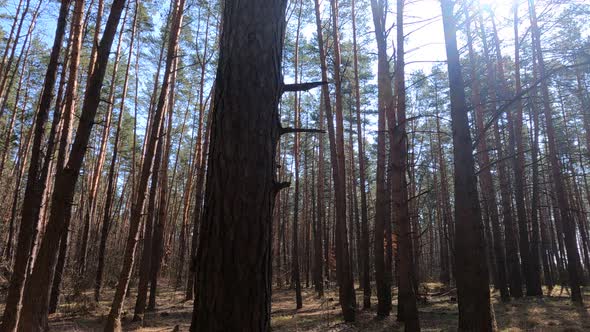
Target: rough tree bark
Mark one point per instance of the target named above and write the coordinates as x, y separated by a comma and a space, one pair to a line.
235, 238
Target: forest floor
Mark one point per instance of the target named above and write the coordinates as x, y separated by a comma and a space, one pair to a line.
437, 306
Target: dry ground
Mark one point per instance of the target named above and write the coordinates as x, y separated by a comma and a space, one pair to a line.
438, 312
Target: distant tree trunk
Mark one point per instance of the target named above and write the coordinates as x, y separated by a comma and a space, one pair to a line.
146, 254
343, 267
200, 163
382, 211
5, 86
533, 277
494, 93
569, 227
445, 208
472, 282
34, 187
22, 57
241, 185
364, 239
485, 176
199, 192
36, 298
161, 217
113, 322
295, 276
321, 207
11, 41
106, 220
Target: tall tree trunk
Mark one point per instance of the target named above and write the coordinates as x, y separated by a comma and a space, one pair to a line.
382, 211
569, 227
65, 139
321, 207
160, 226
200, 161
485, 176
533, 274
199, 191
241, 184
364, 239
106, 219
146, 254
407, 307
34, 187
472, 283
36, 297
295, 275
497, 91
113, 322
343, 267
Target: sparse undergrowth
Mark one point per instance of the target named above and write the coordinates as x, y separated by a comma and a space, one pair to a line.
438, 312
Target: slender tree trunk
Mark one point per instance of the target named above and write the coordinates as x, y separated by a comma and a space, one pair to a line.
382, 211
343, 267
533, 276
407, 287
485, 176
295, 228
146, 254
160, 226
321, 206
199, 191
569, 227
36, 298
113, 322
65, 139
107, 211
364, 239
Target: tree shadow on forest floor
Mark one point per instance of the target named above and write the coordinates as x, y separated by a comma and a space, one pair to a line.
437, 306
438, 311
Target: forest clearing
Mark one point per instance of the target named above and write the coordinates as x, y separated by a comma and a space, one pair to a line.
294, 165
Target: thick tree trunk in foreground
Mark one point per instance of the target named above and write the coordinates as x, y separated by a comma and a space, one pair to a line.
241, 185
473, 290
